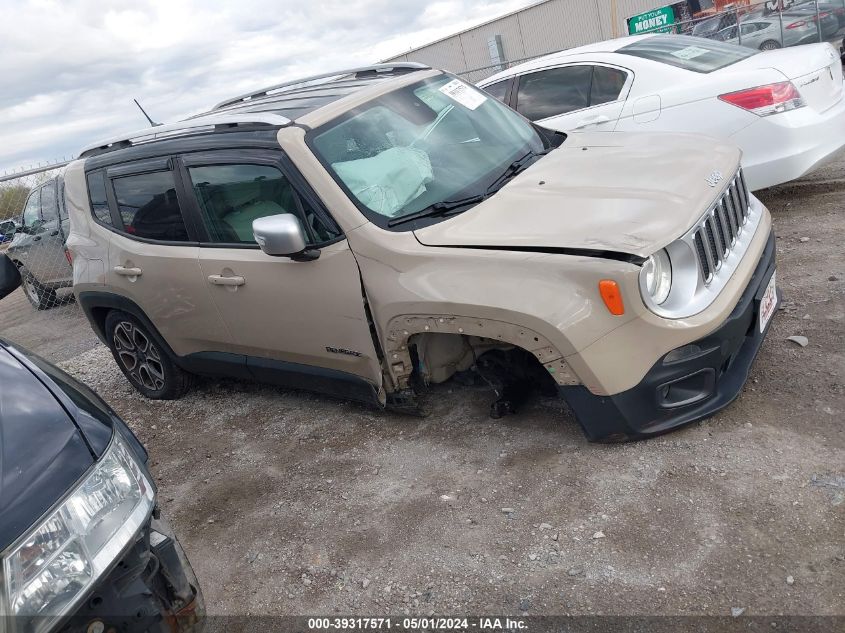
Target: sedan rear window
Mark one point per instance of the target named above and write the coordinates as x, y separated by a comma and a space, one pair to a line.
690, 53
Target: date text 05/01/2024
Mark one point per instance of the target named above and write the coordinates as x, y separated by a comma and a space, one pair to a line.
417, 624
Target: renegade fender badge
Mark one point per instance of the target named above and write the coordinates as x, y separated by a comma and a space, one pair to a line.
340, 350
715, 178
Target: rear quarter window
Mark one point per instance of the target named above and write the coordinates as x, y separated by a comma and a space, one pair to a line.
499, 89
97, 195
690, 53
49, 202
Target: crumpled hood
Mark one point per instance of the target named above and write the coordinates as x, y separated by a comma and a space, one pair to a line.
42, 453
627, 193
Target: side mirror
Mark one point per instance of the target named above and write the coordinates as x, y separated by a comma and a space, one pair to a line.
10, 277
282, 236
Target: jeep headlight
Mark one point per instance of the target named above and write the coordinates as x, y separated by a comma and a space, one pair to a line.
656, 276
51, 567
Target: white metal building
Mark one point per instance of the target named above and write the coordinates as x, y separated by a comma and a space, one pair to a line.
543, 27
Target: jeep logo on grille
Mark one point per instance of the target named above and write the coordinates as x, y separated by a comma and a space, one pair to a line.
714, 179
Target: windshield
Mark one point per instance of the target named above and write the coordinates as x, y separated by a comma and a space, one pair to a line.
434, 141
690, 53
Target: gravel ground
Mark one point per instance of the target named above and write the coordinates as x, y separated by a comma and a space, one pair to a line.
289, 503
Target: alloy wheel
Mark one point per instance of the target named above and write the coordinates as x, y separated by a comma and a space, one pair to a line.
139, 356
31, 291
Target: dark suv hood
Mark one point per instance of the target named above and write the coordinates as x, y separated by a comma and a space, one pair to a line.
42, 453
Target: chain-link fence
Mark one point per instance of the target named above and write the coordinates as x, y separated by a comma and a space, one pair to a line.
766, 25
33, 229
478, 74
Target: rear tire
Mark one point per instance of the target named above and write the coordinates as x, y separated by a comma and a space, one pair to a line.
40, 297
143, 358
770, 45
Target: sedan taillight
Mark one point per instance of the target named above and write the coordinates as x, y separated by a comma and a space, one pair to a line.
766, 100
69, 257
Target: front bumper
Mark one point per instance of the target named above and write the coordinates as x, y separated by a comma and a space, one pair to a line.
151, 588
687, 384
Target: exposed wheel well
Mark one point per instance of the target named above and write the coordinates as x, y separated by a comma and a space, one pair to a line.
437, 357
446, 344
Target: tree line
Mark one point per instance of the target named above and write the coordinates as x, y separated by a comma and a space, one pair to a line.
12, 199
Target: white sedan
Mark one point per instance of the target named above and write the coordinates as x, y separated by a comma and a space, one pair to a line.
784, 108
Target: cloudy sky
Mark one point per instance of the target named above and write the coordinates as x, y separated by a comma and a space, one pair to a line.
69, 69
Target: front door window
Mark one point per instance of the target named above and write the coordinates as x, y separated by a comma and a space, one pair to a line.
231, 196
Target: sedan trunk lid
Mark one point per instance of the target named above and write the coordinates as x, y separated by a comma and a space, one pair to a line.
626, 193
814, 69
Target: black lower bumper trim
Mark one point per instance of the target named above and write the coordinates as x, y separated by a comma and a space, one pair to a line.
687, 384
151, 589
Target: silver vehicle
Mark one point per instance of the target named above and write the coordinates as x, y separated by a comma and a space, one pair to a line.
807, 13
765, 34
38, 247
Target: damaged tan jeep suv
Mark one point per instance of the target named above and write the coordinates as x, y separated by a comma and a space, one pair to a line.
369, 232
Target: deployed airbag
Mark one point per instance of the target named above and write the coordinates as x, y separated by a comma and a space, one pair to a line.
389, 180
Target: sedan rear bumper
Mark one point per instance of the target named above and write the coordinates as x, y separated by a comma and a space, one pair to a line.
687, 384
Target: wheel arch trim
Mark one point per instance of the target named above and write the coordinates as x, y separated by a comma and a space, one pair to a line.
96, 306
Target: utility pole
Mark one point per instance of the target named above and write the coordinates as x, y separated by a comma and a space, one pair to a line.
614, 18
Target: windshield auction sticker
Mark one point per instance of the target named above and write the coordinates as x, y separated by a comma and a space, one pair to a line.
463, 94
690, 52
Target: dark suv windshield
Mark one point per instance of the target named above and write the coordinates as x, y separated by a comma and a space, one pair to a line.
434, 141
690, 53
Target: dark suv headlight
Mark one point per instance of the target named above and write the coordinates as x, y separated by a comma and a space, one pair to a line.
49, 569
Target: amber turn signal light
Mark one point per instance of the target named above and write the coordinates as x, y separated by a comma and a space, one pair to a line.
612, 296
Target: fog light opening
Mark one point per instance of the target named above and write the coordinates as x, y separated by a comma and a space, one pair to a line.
688, 390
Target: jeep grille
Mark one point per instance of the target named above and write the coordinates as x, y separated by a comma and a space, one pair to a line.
717, 232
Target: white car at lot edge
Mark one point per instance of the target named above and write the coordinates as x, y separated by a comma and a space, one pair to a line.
784, 108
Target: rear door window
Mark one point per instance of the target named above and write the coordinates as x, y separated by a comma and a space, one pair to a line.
687, 52
607, 84
148, 206
548, 93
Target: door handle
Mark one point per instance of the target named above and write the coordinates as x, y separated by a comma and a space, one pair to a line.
127, 272
220, 280
54, 234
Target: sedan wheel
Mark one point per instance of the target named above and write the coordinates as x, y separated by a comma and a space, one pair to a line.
769, 45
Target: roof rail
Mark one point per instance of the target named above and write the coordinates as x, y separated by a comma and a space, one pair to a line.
158, 132
404, 67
